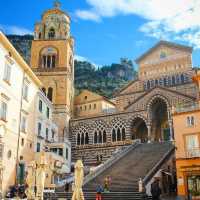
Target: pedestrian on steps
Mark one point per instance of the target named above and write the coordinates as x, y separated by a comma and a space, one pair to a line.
99, 191
155, 190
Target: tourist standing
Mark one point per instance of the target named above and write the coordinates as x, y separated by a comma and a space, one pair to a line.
99, 191
155, 190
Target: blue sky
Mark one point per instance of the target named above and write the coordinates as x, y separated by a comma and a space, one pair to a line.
106, 30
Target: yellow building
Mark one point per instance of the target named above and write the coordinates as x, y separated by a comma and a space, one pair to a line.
91, 104
186, 119
52, 62
18, 91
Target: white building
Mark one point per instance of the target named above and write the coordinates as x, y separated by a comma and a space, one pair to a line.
18, 94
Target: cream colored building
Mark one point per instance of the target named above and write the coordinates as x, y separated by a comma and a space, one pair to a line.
186, 119
88, 103
58, 153
18, 94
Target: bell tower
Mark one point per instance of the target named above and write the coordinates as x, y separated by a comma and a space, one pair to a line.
52, 61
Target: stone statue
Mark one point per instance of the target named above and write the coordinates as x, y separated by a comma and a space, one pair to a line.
78, 182
40, 176
30, 181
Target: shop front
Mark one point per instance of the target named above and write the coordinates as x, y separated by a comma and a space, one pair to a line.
188, 178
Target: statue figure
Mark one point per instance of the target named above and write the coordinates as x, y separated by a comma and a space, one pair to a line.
40, 176
78, 182
30, 181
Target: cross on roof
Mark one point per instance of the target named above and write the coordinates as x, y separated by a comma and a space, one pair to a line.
57, 4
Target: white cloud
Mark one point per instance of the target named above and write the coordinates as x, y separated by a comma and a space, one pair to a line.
171, 19
82, 59
87, 15
16, 30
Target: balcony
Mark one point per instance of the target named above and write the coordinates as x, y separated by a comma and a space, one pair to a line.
193, 153
186, 107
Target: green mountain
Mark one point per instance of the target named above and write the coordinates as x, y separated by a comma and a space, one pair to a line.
102, 80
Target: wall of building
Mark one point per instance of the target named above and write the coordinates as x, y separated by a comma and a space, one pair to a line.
11, 94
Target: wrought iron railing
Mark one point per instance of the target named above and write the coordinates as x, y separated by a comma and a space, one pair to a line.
193, 153
110, 162
186, 107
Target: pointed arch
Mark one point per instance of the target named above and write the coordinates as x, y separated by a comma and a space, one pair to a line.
95, 137
104, 137
113, 135
86, 138
118, 134
78, 139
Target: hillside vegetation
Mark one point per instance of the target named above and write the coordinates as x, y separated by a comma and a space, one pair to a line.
103, 80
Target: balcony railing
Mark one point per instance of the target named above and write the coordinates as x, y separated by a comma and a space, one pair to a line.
193, 153
186, 107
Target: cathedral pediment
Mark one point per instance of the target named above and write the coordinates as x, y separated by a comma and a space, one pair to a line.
171, 97
162, 50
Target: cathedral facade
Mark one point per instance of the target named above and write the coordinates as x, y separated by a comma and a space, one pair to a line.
143, 108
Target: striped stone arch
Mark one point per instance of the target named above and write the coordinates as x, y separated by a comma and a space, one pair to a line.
99, 131
118, 129
150, 103
82, 135
136, 116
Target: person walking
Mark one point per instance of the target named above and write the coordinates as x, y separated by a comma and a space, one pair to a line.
155, 190
99, 191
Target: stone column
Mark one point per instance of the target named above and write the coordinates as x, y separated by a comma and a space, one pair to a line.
149, 132
171, 130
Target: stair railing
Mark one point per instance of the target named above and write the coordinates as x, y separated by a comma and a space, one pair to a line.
152, 172
111, 161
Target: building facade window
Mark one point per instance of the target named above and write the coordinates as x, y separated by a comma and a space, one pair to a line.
51, 33
23, 124
25, 91
7, 72
3, 113
39, 128
50, 94
40, 105
190, 121
47, 133
22, 142
47, 112
49, 57
38, 147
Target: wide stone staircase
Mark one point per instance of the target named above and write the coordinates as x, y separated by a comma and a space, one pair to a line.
142, 161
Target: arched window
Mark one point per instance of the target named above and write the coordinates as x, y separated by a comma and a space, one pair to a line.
113, 135
182, 78
50, 94
44, 91
148, 85
152, 83
160, 81
177, 79
169, 80
104, 137
156, 82
118, 135
82, 139
123, 134
165, 81
173, 80
86, 138
49, 57
95, 137
78, 139
52, 33
100, 137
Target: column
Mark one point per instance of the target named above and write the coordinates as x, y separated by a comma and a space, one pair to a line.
171, 130
149, 133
